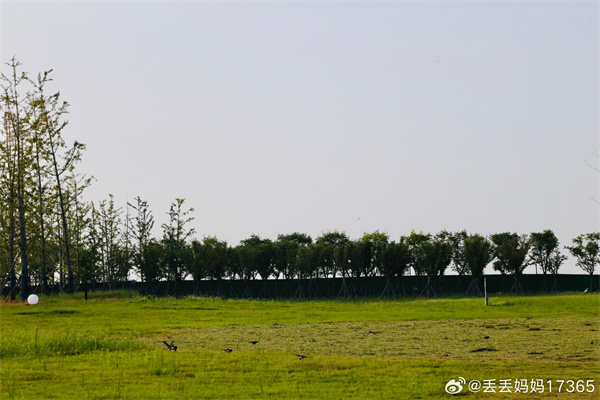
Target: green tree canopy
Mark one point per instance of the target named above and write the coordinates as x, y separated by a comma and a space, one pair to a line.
176, 234
257, 256
375, 244
586, 249
545, 251
511, 252
478, 253
396, 259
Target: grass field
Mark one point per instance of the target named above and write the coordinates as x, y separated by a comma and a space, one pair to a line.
110, 347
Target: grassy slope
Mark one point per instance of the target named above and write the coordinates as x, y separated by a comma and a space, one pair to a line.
109, 348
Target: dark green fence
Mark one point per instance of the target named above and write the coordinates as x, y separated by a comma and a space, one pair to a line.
371, 287
381, 287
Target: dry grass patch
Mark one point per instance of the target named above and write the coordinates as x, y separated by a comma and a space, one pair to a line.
510, 339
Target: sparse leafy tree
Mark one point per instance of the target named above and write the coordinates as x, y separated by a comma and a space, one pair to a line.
234, 263
286, 253
42, 208
198, 263
457, 240
78, 217
432, 256
35, 165
16, 116
586, 249
153, 268
330, 249
546, 254
216, 254
511, 252
396, 260
50, 112
140, 227
109, 230
259, 255
478, 253
8, 210
414, 241
90, 266
209, 259
375, 245
175, 238
306, 264
357, 255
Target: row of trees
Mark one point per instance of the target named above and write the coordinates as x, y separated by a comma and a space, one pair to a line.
51, 238
117, 242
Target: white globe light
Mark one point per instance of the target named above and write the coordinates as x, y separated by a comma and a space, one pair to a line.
33, 299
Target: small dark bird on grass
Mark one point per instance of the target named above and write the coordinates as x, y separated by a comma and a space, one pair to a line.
300, 356
486, 337
227, 350
170, 346
254, 341
371, 333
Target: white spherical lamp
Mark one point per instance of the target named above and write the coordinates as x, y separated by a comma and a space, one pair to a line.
33, 299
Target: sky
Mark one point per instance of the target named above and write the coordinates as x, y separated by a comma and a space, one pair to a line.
270, 118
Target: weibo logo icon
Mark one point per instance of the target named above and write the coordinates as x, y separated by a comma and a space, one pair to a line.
455, 386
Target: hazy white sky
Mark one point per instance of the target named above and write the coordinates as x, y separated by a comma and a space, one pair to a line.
274, 118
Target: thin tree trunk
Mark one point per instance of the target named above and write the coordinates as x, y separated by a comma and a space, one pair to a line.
63, 215
11, 239
17, 128
41, 222
24, 291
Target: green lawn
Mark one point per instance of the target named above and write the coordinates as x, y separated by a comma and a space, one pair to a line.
111, 347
